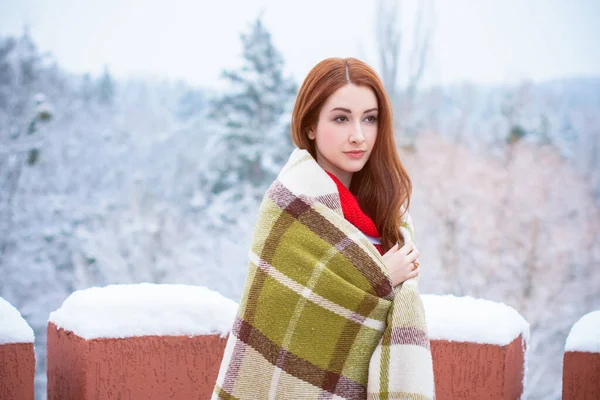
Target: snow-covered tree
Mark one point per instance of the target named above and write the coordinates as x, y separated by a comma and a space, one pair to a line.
254, 112
24, 112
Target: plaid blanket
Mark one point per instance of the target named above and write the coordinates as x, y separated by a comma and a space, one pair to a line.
319, 318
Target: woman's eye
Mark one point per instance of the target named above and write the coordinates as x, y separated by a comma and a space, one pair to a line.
341, 118
371, 118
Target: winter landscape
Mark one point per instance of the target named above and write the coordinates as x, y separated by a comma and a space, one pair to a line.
108, 180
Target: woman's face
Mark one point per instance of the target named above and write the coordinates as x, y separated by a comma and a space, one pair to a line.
346, 131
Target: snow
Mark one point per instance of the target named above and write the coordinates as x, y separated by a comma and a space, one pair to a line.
13, 328
119, 311
466, 319
585, 334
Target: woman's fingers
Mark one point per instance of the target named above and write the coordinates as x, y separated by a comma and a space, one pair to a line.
414, 272
413, 255
392, 251
401, 257
407, 248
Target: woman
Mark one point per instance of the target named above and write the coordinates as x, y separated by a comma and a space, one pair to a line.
330, 307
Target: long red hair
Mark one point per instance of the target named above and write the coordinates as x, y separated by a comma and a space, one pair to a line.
383, 187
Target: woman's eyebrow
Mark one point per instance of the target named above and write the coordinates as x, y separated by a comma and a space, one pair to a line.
341, 109
350, 112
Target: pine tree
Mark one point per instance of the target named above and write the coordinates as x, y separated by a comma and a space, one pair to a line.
86, 89
106, 88
256, 140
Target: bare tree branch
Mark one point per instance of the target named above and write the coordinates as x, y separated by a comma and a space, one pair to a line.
422, 36
389, 41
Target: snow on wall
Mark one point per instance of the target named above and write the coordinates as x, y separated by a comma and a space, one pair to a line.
13, 328
466, 319
119, 311
585, 334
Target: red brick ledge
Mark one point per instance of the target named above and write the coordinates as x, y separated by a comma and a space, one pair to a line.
581, 375
144, 367
478, 371
17, 371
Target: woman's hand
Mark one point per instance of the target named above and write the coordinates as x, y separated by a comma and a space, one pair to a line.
402, 263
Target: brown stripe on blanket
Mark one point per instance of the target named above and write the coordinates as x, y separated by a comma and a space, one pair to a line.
280, 195
409, 335
278, 229
294, 365
345, 388
284, 221
365, 264
300, 208
254, 294
340, 353
254, 338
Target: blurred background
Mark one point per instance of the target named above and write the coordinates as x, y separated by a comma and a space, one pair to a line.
137, 139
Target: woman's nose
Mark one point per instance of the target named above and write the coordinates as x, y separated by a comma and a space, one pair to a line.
357, 135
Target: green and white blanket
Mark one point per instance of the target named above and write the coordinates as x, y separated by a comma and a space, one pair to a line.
319, 318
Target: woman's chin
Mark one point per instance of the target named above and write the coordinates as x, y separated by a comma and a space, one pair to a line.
354, 166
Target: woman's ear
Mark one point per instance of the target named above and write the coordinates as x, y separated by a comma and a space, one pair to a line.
311, 134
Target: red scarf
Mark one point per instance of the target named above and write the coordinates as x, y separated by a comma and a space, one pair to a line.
354, 214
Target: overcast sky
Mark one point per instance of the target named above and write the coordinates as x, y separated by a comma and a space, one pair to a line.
478, 40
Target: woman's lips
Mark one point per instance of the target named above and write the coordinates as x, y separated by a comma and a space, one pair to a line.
355, 153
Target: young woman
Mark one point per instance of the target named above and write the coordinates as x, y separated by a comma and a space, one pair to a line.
330, 307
